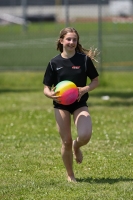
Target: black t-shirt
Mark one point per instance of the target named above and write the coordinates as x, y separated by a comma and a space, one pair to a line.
75, 69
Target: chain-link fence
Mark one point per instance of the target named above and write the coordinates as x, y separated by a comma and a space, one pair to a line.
106, 24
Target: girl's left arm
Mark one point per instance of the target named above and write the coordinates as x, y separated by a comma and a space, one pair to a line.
82, 90
94, 83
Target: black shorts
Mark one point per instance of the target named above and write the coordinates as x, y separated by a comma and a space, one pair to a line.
72, 107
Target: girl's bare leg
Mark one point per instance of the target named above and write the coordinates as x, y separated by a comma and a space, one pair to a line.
84, 130
63, 120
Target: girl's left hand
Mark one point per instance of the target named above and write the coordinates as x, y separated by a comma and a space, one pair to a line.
82, 91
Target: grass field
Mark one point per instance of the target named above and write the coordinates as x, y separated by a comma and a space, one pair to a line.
34, 49
30, 162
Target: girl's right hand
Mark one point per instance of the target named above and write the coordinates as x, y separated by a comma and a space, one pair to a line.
50, 93
55, 96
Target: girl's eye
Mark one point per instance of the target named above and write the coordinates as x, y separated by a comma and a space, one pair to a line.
74, 40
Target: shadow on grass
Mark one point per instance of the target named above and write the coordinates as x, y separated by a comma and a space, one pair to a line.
19, 90
121, 94
123, 98
105, 180
112, 103
115, 98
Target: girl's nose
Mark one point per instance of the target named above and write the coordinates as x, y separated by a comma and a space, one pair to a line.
72, 41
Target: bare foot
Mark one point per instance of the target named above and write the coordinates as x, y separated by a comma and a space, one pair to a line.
77, 153
71, 179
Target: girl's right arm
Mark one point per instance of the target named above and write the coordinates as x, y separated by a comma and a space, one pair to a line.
48, 92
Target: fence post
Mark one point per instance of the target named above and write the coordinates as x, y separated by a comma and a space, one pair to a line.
66, 4
100, 32
132, 8
24, 7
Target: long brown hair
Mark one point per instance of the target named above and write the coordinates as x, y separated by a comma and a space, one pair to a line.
92, 52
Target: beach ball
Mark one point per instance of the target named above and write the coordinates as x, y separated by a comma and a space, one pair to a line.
68, 92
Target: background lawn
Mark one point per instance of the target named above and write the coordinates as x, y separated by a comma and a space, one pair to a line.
30, 162
33, 49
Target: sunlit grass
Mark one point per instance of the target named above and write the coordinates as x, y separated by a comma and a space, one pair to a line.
30, 160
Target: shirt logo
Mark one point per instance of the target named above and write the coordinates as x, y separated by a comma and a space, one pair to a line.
59, 68
75, 67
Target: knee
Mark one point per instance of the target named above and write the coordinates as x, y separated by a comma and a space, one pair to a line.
67, 144
84, 137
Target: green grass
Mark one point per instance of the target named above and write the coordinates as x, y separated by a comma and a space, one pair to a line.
34, 49
30, 162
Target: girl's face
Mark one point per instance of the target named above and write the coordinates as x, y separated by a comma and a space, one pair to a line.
69, 42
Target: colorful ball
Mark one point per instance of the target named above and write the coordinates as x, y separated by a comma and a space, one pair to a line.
68, 92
